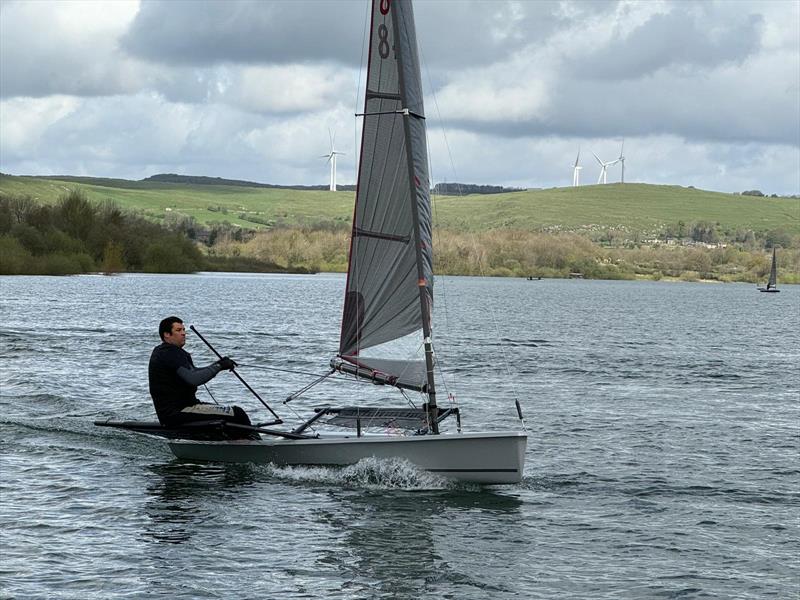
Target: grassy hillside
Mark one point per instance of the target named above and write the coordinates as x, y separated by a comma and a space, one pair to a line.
634, 206
206, 203
630, 207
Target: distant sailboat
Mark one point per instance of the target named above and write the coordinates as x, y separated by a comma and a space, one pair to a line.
773, 276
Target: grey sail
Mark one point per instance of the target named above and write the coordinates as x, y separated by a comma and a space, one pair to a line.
389, 290
772, 283
773, 273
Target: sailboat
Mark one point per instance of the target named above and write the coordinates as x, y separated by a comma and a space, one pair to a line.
773, 276
388, 297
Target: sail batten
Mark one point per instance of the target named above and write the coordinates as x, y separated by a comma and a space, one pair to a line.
383, 236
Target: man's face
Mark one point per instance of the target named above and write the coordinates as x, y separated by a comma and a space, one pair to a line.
177, 337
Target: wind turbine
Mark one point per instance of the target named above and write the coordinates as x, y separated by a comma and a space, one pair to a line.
604, 168
576, 170
621, 159
331, 156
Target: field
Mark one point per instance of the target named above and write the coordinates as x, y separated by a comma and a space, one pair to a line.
632, 207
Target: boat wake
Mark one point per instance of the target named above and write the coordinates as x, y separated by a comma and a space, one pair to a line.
368, 473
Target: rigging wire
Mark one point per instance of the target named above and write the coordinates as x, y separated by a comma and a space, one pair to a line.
293, 371
434, 203
208, 391
471, 234
303, 390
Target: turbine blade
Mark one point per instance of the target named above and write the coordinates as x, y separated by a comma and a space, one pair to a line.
598, 159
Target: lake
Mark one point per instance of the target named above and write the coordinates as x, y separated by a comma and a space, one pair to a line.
662, 462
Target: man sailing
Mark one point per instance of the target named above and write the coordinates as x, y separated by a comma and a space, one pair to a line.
174, 381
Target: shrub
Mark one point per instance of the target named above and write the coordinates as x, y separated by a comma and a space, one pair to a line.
76, 214
63, 264
112, 258
171, 256
14, 258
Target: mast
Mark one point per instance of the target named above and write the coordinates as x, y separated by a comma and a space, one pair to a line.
414, 185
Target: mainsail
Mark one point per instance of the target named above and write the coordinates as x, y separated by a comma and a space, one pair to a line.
389, 292
773, 273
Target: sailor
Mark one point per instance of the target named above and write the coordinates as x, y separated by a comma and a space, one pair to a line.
174, 380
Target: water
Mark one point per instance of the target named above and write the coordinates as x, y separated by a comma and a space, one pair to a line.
662, 458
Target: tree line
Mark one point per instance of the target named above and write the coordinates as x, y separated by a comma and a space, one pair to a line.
75, 235
463, 189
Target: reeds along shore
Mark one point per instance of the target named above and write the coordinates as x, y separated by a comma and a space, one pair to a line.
77, 236
522, 254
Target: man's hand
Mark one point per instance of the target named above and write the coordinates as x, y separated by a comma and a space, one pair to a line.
226, 364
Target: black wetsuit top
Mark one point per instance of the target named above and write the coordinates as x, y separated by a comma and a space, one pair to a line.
174, 379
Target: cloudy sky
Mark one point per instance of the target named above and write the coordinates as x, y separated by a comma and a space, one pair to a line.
703, 93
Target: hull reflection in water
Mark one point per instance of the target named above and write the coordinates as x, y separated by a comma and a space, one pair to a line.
487, 458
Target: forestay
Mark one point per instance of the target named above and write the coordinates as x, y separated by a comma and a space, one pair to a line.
389, 291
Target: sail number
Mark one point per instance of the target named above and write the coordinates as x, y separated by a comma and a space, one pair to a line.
383, 43
383, 31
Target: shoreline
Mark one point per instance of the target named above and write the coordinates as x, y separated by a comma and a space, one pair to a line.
638, 278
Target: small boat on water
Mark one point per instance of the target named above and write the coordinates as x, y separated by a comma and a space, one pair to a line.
388, 297
773, 276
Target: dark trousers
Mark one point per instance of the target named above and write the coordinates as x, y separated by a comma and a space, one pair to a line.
213, 412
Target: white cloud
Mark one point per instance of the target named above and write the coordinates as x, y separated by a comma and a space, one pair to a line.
290, 88
25, 120
486, 96
66, 47
294, 147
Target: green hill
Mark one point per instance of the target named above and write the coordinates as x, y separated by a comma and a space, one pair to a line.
632, 207
249, 207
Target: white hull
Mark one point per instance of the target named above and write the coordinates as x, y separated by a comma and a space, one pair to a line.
474, 457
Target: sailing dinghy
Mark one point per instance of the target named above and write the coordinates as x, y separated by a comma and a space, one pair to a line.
388, 296
772, 284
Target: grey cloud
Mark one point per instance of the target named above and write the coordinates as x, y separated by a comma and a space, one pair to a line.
452, 33
186, 84
243, 31
692, 107
677, 38
464, 34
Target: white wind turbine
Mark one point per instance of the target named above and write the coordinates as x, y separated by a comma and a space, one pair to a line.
576, 170
331, 156
603, 178
621, 159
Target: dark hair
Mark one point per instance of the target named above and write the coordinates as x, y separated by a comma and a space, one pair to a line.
166, 326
